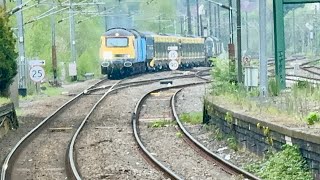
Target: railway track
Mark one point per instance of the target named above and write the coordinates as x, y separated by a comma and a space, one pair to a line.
164, 167
64, 127
29, 156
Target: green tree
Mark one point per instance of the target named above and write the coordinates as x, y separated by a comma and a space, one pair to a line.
8, 65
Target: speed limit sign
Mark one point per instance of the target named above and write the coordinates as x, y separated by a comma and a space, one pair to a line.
36, 73
173, 65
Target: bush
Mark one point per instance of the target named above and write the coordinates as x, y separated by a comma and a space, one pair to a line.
8, 65
285, 165
312, 118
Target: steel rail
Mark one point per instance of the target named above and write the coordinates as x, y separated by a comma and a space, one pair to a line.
135, 118
6, 166
214, 156
73, 172
197, 75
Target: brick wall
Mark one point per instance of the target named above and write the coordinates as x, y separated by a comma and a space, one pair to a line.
257, 135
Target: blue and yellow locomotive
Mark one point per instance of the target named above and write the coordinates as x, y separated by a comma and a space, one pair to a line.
126, 51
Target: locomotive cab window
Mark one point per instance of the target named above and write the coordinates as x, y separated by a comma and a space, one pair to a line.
117, 42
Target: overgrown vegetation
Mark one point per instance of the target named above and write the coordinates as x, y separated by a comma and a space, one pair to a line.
312, 118
161, 123
295, 103
4, 100
287, 164
51, 91
8, 65
192, 117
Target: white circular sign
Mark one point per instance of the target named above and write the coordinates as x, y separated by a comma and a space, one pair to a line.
173, 65
173, 55
37, 73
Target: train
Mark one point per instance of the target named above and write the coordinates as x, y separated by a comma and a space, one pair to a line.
124, 52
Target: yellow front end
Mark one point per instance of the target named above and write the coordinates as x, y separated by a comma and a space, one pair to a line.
117, 48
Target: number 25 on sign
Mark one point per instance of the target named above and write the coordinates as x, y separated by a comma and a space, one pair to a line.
36, 73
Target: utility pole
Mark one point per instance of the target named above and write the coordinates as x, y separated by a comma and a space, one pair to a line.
189, 18
181, 25
247, 32
53, 49
231, 22
159, 24
239, 50
198, 18
293, 31
219, 24
175, 26
105, 19
22, 89
72, 37
263, 48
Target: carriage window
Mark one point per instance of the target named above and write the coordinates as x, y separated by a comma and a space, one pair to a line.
117, 42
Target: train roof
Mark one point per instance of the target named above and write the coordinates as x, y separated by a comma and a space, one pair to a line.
118, 32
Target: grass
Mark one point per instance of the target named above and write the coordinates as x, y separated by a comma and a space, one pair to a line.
192, 117
294, 104
51, 91
4, 100
161, 123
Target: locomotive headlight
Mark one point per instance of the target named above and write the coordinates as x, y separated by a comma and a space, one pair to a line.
127, 56
107, 55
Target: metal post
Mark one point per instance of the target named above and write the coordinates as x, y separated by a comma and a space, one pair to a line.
72, 36
239, 50
279, 43
210, 19
159, 24
22, 61
247, 32
293, 31
219, 23
263, 49
231, 22
175, 26
54, 53
198, 21
189, 18
181, 25
105, 20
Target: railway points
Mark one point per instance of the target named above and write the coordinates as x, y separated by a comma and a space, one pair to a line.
116, 93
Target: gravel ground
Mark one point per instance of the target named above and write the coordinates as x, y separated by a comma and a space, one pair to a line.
45, 156
33, 110
106, 148
186, 103
169, 148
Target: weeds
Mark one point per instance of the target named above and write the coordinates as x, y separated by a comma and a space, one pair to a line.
287, 164
232, 143
4, 100
160, 123
312, 118
192, 118
295, 103
179, 134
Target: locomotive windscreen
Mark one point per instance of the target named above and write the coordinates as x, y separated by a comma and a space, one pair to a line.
117, 42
